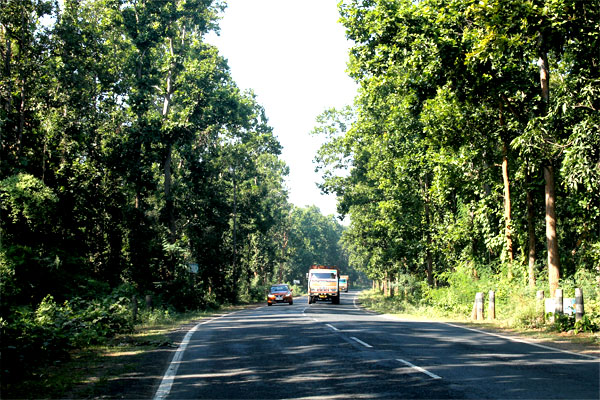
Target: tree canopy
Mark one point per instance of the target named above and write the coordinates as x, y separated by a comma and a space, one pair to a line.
473, 139
130, 157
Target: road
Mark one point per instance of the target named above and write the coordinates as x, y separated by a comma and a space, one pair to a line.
341, 351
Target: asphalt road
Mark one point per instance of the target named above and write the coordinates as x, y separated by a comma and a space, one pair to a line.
340, 351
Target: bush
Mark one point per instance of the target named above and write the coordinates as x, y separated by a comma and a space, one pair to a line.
526, 315
32, 338
86, 322
515, 300
585, 324
158, 316
26, 343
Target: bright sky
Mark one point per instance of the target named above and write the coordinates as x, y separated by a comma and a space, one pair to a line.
293, 55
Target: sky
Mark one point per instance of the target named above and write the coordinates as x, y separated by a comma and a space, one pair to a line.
293, 55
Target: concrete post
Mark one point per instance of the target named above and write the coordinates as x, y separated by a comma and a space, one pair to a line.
492, 305
579, 311
134, 308
540, 295
558, 302
539, 303
149, 302
479, 302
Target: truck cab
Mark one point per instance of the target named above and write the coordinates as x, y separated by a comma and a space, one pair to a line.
323, 284
344, 283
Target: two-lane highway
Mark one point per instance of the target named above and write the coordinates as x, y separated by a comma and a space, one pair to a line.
340, 351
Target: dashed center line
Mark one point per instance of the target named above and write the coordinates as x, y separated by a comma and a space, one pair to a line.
432, 375
361, 342
416, 368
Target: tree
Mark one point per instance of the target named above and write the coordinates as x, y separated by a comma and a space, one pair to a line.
449, 90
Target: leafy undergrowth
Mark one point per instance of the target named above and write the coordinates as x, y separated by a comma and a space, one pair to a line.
543, 329
107, 369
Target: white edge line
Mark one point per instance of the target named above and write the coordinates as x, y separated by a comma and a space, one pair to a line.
512, 339
432, 375
332, 327
524, 341
167, 382
361, 342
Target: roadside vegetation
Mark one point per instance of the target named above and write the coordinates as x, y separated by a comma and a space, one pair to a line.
469, 160
514, 308
82, 368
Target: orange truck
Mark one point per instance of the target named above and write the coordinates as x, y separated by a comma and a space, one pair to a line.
344, 283
323, 284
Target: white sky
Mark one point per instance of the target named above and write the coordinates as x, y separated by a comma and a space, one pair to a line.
293, 55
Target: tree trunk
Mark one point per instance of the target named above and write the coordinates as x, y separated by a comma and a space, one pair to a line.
235, 273
428, 256
507, 203
530, 232
169, 204
544, 79
551, 237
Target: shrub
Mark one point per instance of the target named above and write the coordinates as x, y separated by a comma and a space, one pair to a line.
35, 337
585, 324
527, 315
26, 343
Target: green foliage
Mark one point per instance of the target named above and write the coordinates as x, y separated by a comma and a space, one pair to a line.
562, 322
26, 201
516, 306
585, 324
313, 238
526, 314
450, 135
128, 153
33, 337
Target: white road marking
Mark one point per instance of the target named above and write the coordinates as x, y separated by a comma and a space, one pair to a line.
332, 327
432, 375
361, 342
512, 339
167, 382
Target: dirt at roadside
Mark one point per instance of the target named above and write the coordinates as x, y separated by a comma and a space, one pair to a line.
131, 375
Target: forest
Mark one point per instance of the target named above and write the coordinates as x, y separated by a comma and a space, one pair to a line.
132, 165
470, 160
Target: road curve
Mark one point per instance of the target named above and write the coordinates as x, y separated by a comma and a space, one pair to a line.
340, 351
